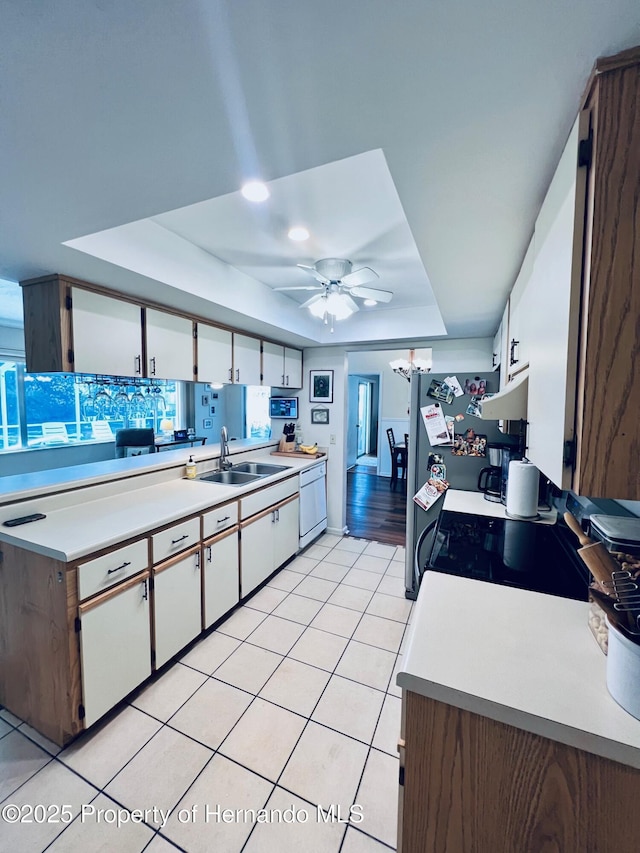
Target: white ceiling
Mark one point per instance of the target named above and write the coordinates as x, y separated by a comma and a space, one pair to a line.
415, 138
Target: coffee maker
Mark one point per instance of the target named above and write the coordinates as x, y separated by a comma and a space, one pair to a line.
493, 480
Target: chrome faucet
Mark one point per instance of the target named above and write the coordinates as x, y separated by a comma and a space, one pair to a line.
225, 464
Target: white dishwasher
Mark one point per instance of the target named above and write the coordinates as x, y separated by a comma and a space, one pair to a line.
313, 503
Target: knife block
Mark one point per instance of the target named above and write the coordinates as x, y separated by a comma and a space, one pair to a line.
286, 445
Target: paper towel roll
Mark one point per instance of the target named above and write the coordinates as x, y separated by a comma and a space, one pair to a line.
522, 489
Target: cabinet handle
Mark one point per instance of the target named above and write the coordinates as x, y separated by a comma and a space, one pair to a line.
512, 352
273, 517
494, 355
237, 374
145, 594
119, 569
197, 560
138, 361
230, 374
277, 515
152, 362
287, 380
209, 555
226, 518
175, 541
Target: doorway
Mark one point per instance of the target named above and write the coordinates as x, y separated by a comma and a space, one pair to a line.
363, 419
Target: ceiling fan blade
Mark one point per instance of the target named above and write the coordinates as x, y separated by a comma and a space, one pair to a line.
301, 287
312, 300
372, 293
361, 276
314, 272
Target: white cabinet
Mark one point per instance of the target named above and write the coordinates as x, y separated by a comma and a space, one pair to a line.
169, 346
177, 603
520, 304
220, 576
266, 542
107, 334
115, 646
281, 366
496, 350
214, 354
292, 368
246, 360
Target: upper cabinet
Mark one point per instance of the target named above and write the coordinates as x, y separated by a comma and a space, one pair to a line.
97, 321
520, 300
170, 345
281, 366
246, 360
214, 354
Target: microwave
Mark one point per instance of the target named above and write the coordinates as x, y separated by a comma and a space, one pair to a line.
283, 407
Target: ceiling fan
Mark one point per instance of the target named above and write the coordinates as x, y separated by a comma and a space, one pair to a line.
337, 284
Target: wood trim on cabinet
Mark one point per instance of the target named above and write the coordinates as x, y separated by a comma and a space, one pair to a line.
258, 515
99, 599
228, 531
194, 549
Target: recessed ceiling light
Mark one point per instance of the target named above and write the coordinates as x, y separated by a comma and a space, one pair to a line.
298, 232
255, 191
370, 302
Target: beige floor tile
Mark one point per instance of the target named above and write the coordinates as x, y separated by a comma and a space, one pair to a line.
276, 634
317, 551
97, 832
302, 565
20, 758
396, 570
329, 571
104, 750
5, 728
389, 607
362, 579
145, 782
316, 588
337, 620
350, 708
210, 652
328, 540
390, 585
378, 796
341, 557
298, 608
46, 744
296, 686
393, 688
304, 833
160, 845
348, 543
10, 718
241, 623
319, 648
375, 549
354, 842
248, 668
353, 597
212, 712
371, 563
388, 728
54, 785
325, 767
264, 738
163, 697
267, 599
367, 665
383, 633
400, 554
229, 786
285, 580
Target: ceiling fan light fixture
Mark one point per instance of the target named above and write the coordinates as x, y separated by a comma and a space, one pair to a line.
318, 308
370, 303
255, 191
298, 233
338, 306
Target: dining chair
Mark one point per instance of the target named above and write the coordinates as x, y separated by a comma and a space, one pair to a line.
134, 442
398, 458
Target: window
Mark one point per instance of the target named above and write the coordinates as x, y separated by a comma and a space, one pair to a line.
258, 422
54, 409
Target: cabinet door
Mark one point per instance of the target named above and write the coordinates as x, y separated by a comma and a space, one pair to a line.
256, 550
220, 577
214, 354
246, 360
177, 602
107, 334
519, 315
273, 365
497, 349
169, 346
287, 532
115, 647
292, 368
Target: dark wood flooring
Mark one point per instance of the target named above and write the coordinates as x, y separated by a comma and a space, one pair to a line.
375, 511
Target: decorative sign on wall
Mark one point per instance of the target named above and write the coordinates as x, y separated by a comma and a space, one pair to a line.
320, 415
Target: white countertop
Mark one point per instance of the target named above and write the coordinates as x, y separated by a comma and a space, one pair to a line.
523, 658
474, 503
73, 530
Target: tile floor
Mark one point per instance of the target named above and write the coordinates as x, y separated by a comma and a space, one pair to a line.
289, 705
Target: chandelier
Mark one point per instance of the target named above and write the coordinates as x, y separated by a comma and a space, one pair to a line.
407, 367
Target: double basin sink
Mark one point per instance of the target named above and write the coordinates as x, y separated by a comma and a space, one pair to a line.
244, 472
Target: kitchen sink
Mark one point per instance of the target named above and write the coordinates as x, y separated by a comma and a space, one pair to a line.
231, 478
262, 469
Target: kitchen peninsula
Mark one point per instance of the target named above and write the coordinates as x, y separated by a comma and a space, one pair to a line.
130, 564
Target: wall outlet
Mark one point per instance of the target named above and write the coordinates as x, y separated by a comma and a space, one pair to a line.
332, 439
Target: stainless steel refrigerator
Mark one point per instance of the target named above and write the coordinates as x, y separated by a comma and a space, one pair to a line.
462, 472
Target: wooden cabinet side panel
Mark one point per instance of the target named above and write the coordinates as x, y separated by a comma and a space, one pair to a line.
47, 326
39, 666
474, 785
610, 439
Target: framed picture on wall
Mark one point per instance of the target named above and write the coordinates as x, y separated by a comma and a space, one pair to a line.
320, 415
207, 423
205, 399
321, 386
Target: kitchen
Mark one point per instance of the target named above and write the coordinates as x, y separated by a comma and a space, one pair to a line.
147, 278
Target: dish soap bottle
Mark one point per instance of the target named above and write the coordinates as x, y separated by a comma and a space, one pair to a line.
191, 469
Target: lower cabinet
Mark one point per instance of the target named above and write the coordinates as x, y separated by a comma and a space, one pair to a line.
115, 646
267, 541
177, 603
220, 579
